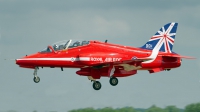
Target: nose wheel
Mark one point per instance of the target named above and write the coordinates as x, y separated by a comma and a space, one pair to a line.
36, 79
96, 85
113, 81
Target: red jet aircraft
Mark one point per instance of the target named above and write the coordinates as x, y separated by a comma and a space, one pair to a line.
101, 59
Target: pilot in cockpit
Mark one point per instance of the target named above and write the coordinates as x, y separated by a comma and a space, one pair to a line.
55, 47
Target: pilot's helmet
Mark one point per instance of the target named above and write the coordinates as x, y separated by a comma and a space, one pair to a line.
55, 46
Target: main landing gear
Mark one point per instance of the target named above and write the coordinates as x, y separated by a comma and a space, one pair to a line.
97, 85
36, 79
113, 81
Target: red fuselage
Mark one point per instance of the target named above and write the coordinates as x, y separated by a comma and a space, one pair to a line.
99, 54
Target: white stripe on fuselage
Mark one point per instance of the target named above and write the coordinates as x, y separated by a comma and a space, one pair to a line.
59, 59
84, 59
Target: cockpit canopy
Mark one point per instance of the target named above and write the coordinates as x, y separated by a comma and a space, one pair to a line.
66, 44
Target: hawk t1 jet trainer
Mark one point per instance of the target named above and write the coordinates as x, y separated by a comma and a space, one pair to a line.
96, 59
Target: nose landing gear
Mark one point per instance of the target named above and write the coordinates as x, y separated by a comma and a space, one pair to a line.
36, 79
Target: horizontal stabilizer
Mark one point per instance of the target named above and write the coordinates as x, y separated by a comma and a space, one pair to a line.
179, 56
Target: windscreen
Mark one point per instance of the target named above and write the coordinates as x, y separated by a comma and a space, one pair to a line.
65, 44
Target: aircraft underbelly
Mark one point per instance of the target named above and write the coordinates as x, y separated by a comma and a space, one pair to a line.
128, 67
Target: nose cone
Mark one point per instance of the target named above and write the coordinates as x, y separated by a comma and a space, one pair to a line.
21, 62
18, 61
27, 61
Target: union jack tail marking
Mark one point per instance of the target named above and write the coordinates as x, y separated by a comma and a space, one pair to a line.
163, 39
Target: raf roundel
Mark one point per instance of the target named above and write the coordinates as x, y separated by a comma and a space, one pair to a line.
72, 59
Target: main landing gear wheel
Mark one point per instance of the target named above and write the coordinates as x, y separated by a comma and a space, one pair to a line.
36, 79
113, 81
96, 85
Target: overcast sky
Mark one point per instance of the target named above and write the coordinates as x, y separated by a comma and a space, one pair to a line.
29, 26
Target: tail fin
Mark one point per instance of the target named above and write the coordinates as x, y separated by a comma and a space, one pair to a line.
163, 40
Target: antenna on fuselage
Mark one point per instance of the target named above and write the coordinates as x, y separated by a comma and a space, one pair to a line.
106, 41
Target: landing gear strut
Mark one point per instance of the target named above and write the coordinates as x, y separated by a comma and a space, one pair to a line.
96, 85
113, 81
36, 79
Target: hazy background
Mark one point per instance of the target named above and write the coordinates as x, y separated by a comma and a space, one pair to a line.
29, 26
